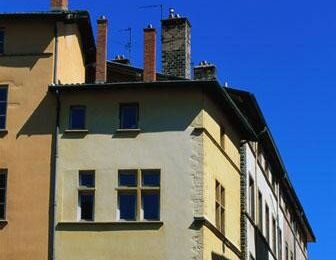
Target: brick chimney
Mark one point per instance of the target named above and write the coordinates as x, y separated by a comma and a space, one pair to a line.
101, 50
205, 71
59, 5
176, 46
149, 73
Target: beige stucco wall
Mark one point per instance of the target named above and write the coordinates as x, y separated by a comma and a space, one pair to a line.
166, 142
27, 69
217, 166
25, 150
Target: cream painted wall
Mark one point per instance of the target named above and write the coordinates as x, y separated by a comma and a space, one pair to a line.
166, 142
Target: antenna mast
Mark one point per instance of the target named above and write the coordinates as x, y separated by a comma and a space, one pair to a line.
154, 6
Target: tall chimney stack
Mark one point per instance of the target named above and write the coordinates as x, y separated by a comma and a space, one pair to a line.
101, 50
176, 45
149, 73
59, 5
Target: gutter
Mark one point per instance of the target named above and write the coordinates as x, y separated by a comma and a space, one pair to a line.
53, 184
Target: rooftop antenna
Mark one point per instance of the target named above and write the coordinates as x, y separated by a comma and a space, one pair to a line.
154, 6
128, 45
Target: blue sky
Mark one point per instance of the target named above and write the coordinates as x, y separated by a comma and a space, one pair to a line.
282, 51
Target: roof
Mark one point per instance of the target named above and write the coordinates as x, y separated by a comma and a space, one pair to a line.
119, 72
248, 104
212, 87
81, 17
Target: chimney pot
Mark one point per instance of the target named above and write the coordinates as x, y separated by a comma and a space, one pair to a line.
149, 73
59, 5
101, 50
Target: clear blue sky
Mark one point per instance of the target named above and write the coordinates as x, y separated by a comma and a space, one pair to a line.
282, 51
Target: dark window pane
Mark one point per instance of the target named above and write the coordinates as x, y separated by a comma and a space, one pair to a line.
2, 195
86, 179
77, 117
2, 211
3, 94
2, 180
127, 206
151, 178
3, 108
128, 178
2, 122
151, 205
86, 204
129, 116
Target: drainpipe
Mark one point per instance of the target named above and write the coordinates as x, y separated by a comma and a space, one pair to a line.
53, 185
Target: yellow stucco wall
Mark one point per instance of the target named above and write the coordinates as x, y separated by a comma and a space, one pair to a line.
71, 68
26, 150
224, 169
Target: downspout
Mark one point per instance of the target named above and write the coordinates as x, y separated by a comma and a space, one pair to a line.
55, 152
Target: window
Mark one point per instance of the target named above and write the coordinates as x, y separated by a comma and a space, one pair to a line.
129, 116
220, 207
287, 254
3, 188
267, 216
273, 183
274, 234
139, 195
86, 192
260, 211
251, 198
222, 137
280, 243
77, 117
3, 106
2, 41
267, 169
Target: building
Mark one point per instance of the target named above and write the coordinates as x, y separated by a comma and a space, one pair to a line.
145, 167
273, 221
109, 161
58, 53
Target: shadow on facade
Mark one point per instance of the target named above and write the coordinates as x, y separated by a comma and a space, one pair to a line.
262, 248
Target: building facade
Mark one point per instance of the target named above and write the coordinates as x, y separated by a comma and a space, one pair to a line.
102, 160
273, 222
28, 112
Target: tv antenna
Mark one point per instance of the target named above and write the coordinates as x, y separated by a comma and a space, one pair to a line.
128, 44
152, 7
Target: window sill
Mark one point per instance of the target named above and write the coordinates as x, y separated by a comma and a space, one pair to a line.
109, 226
5, 131
76, 131
121, 222
3, 222
131, 130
